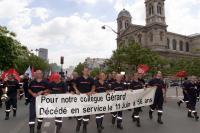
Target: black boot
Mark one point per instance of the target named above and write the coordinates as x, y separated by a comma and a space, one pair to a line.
1, 105
7, 116
179, 103
113, 120
84, 128
159, 118
58, 127
14, 113
190, 114
99, 129
119, 126
78, 126
150, 114
138, 122
196, 116
39, 127
101, 125
32, 129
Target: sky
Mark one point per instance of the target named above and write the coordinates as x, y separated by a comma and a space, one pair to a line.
72, 28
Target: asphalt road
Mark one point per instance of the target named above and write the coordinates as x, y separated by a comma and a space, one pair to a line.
175, 121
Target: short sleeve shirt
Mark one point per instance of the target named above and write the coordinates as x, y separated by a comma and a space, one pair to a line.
84, 85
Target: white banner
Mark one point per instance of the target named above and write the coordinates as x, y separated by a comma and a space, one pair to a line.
68, 105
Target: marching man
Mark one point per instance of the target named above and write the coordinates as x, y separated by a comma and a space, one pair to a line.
84, 85
118, 85
37, 87
100, 87
58, 87
12, 92
159, 98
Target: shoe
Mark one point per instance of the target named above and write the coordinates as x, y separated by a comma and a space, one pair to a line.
78, 126
196, 116
138, 123
58, 129
190, 115
119, 126
150, 115
159, 120
113, 120
99, 129
14, 114
32, 130
7, 118
39, 128
84, 129
179, 103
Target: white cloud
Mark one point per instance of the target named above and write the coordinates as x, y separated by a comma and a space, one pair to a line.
41, 13
85, 1
75, 37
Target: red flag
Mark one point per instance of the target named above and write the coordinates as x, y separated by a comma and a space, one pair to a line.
142, 69
4, 75
11, 71
32, 71
54, 77
181, 74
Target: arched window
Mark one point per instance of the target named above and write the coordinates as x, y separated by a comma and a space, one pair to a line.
174, 44
181, 45
151, 11
187, 47
151, 37
159, 8
140, 38
126, 24
161, 36
168, 43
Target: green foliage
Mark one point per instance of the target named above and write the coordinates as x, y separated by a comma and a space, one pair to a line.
79, 68
95, 72
128, 58
14, 55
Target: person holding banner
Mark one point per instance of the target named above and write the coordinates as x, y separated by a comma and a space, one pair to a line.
118, 85
1, 92
100, 87
37, 87
58, 87
159, 97
84, 85
135, 85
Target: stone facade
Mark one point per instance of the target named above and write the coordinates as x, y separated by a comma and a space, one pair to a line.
154, 34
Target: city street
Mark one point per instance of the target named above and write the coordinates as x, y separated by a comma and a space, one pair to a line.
175, 121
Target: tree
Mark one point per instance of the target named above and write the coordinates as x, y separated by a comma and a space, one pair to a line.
14, 55
79, 68
128, 58
95, 72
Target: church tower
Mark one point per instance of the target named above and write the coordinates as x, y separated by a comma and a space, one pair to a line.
155, 12
123, 21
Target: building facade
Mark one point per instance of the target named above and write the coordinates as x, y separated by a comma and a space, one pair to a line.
43, 53
95, 63
154, 35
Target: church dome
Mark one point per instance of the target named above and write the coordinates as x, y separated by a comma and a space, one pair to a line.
124, 13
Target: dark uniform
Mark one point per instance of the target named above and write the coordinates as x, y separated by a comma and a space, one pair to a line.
118, 87
158, 99
58, 88
35, 87
191, 89
1, 93
198, 91
84, 86
100, 88
185, 95
110, 82
25, 88
136, 85
12, 86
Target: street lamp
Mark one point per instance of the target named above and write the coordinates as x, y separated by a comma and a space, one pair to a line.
107, 26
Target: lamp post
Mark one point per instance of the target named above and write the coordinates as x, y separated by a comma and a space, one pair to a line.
109, 27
